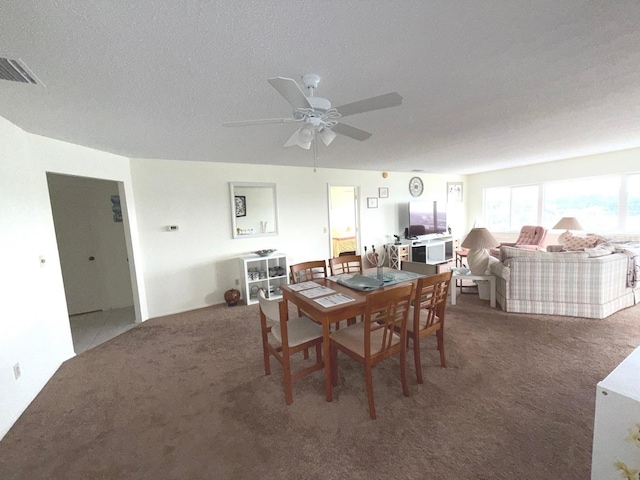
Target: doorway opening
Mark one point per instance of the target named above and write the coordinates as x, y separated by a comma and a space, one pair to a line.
94, 257
344, 220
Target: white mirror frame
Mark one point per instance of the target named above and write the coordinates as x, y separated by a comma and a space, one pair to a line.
255, 227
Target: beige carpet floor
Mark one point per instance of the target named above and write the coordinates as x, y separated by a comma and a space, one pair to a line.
185, 397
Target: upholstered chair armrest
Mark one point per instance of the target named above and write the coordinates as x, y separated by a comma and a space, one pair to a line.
529, 247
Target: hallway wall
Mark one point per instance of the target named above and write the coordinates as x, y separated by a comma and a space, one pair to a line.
34, 321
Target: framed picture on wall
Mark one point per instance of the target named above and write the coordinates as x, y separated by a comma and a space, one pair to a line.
116, 208
383, 192
241, 206
454, 191
372, 202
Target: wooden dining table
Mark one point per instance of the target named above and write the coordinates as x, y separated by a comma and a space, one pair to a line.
325, 316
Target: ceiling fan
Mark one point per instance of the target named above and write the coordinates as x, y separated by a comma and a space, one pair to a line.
317, 116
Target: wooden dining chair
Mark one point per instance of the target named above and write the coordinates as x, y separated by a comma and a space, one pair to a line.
426, 315
345, 264
306, 271
383, 333
293, 336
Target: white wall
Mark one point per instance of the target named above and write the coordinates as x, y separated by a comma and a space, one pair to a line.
34, 321
171, 271
194, 266
623, 161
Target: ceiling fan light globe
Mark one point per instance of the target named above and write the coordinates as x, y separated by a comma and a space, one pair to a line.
293, 140
306, 135
327, 136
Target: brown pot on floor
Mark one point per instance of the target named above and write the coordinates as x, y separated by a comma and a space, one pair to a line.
231, 297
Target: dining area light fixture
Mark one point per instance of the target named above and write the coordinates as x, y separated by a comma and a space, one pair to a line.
305, 135
478, 241
567, 224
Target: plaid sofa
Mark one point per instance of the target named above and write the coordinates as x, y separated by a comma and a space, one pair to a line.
563, 283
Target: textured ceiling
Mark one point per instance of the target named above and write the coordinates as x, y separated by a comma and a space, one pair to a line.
486, 84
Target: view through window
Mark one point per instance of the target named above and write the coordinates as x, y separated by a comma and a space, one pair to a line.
608, 204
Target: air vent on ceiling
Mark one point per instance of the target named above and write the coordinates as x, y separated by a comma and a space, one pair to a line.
16, 71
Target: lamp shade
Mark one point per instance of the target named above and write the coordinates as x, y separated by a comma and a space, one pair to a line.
479, 239
568, 223
327, 136
301, 138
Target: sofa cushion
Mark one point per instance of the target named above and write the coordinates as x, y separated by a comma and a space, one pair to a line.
600, 249
573, 243
512, 252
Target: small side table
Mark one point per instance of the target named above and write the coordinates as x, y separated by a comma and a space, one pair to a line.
461, 256
490, 278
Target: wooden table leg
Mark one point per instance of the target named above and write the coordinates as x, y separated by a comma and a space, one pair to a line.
453, 290
326, 353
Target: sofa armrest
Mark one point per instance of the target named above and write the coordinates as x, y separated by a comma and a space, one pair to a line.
500, 270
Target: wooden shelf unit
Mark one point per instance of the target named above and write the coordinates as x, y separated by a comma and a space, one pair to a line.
398, 254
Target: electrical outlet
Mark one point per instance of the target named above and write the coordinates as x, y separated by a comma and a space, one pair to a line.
16, 371
237, 282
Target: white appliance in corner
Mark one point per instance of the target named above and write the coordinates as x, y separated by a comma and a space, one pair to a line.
616, 432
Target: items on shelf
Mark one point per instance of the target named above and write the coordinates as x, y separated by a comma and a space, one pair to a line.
268, 273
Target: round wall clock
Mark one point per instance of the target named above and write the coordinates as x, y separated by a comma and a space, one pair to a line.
415, 186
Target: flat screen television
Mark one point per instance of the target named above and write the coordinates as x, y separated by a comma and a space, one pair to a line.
427, 218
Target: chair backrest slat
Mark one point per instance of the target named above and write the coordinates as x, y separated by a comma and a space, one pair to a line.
345, 264
386, 310
431, 296
307, 271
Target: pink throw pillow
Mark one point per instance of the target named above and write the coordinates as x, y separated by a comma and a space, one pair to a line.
573, 243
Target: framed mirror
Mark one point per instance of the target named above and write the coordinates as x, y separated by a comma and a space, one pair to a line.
254, 211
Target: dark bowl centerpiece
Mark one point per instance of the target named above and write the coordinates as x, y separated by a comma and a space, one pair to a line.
264, 253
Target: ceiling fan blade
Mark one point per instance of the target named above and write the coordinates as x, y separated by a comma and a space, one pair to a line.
244, 123
290, 90
349, 131
387, 100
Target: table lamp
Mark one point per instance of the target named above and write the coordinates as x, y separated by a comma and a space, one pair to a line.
478, 241
567, 224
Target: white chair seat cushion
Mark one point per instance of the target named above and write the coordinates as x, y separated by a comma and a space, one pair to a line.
299, 330
353, 338
423, 319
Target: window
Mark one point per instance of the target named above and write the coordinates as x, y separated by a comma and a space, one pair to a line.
594, 202
607, 204
633, 204
524, 206
508, 208
496, 209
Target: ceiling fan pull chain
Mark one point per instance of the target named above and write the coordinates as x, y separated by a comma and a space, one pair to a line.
315, 150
